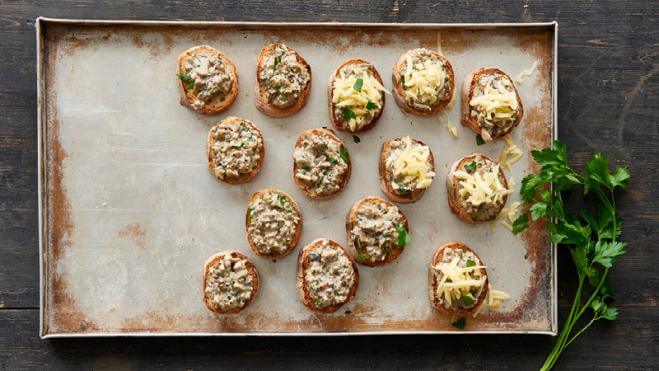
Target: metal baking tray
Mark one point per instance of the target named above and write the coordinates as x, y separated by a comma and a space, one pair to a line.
128, 211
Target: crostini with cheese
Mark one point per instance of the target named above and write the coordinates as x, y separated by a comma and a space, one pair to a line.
477, 188
273, 222
235, 150
407, 169
207, 80
283, 81
491, 105
327, 276
423, 82
356, 96
231, 282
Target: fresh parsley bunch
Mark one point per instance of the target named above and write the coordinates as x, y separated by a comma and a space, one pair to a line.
593, 239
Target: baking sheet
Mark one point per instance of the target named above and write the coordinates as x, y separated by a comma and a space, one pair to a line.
129, 210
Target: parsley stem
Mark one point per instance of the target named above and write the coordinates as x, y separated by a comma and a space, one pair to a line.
594, 294
595, 318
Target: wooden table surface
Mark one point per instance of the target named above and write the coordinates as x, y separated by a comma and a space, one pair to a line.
608, 84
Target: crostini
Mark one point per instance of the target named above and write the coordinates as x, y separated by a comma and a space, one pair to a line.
491, 105
355, 96
377, 231
231, 282
457, 280
235, 150
407, 169
283, 81
477, 188
273, 222
327, 276
207, 79
423, 82
321, 164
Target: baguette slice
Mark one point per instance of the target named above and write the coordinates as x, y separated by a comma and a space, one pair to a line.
262, 103
338, 121
351, 221
386, 175
251, 269
467, 94
311, 192
296, 235
452, 187
233, 121
188, 96
398, 92
302, 266
432, 281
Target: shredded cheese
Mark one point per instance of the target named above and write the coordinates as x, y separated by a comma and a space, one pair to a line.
510, 213
451, 129
422, 81
481, 189
509, 154
457, 282
496, 105
412, 163
345, 95
525, 73
494, 298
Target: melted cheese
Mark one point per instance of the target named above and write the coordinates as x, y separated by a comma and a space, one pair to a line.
509, 154
462, 280
422, 81
412, 163
525, 73
481, 189
345, 95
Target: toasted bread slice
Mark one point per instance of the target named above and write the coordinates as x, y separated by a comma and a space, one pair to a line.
386, 175
305, 291
312, 190
432, 281
399, 92
467, 94
284, 207
257, 152
212, 262
337, 120
263, 100
393, 248
454, 200
217, 104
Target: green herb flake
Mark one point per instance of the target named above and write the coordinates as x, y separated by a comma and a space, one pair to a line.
356, 139
470, 263
479, 140
371, 106
344, 154
348, 114
471, 167
189, 81
467, 300
333, 160
460, 323
358, 84
250, 214
282, 200
403, 237
277, 61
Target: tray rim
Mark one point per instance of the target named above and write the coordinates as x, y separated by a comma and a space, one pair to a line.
41, 22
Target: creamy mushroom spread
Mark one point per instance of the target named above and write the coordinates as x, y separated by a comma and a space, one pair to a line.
272, 222
329, 275
376, 230
409, 164
208, 76
235, 149
480, 190
357, 96
229, 284
283, 77
459, 278
424, 79
321, 163
494, 104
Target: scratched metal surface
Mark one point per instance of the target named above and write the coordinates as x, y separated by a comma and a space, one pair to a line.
129, 211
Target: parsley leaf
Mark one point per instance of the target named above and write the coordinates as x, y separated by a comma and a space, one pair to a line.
470, 263
403, 237
459, 323
189, 81
348, 114
356, 139
479, 140
358, 84
520, 223
332, 160
344, 154
471, 167
371, 106
282, 200
277, 61
467, 299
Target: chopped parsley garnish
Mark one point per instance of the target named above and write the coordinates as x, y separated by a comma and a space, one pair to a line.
470, 263
282, 201
459, 323
348, 114
358, 84
277, 61
471, 167
333, 160
356, 139
479, 140
189, 81
320, 180
250, 213
344, 154
467, 300
403, 236
371, 106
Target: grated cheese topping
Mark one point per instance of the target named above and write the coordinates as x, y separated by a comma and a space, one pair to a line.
409, 163
494, 104
481, 188
525, 73
424, 80
509, 154
460, 280
357, 95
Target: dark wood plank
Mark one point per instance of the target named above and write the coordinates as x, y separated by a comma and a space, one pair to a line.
608, 85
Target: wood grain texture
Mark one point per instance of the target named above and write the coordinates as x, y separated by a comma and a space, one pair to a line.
608, 85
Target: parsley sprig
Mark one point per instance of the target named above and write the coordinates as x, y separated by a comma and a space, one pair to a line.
593, 239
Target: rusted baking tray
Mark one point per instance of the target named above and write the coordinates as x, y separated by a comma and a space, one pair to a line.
129, 210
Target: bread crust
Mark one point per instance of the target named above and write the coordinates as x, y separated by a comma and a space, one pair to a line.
398, 90
233, 120
385, 175
300, 185
187, 96
467, 92
262, 103
303, 291
452, 189
432, 281
298, 230
251, 268
351, 220
336, 121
